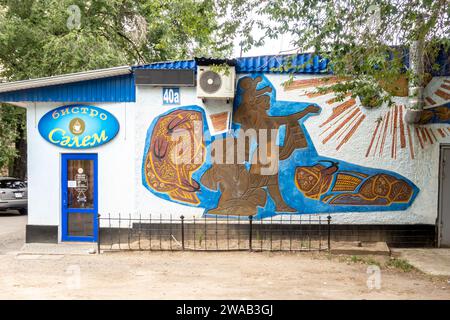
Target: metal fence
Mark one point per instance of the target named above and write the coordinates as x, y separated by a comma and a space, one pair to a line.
158, 233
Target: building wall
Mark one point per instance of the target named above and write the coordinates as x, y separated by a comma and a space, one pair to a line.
395, 165
148, 107
115, 166
394, 150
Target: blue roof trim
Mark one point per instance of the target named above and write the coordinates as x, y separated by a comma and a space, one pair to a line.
123, 89
172, 65
443, 60
301, 63
112, 89
306, 65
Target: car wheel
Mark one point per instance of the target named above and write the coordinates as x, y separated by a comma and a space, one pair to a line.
23, 211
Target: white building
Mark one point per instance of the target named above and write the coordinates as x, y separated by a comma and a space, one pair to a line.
101, 142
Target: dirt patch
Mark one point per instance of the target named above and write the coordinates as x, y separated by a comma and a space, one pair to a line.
208, 275
12, 231
219, 245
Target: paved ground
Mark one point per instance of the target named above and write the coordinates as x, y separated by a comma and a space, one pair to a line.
187, 275
197, 275
431, 261
12, 231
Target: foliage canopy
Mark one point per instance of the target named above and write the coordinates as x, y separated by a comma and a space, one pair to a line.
367, 41
41, 38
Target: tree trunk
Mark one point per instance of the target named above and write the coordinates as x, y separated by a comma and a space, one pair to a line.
19, 165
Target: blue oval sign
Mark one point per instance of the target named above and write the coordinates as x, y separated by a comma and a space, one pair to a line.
78, 126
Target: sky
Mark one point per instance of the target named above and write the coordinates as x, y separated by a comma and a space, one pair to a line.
272, 46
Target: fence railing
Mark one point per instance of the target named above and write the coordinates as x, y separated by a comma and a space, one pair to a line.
150, 232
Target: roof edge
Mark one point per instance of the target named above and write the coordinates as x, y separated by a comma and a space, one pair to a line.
65, 78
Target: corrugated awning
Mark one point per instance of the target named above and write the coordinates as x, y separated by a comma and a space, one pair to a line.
300, 63
66, 78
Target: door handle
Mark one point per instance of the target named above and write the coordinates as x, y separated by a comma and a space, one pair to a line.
65, 199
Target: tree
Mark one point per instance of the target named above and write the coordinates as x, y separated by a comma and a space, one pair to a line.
12, 128
366, 41
48, 37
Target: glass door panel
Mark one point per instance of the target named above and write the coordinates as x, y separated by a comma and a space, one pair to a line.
80, 184
79, 197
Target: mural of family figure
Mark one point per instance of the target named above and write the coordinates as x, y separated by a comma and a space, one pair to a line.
251, 171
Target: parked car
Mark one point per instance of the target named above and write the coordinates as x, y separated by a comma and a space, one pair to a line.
13, 195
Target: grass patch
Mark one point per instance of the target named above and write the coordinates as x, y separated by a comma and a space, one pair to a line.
365, 260
384, 262
380, 261
401, 264
393, 263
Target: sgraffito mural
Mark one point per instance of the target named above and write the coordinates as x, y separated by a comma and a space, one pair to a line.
230, 184
379, 189
391, 127
391, 135
439, 114
163, 173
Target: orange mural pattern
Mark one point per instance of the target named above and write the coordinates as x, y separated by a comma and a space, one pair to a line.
170, 162
345, 118
381, 189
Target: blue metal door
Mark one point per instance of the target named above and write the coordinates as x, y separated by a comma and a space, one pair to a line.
79, 197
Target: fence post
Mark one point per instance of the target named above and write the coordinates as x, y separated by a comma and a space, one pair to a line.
250, 218
182, 232
329, 232
98, 234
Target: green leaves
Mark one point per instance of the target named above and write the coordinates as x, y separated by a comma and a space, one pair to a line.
41, 38
12, 124
364, 39
48, 37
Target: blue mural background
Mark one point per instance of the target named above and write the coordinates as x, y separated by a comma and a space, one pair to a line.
440, 114
307, 156
208, 198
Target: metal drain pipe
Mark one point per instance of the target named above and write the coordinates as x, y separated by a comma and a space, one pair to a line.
416, 80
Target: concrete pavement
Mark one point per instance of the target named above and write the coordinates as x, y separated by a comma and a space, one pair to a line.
12, 238
434, 262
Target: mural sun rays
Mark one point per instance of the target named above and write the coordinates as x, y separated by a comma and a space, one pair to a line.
303, 182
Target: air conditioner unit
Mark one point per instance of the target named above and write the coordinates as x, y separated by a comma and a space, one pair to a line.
216, 85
